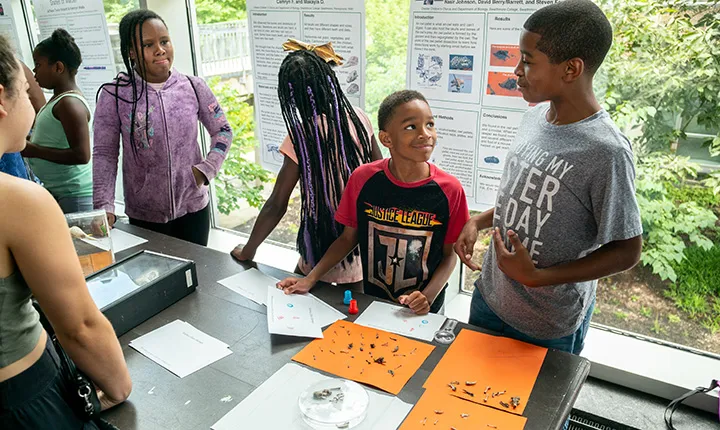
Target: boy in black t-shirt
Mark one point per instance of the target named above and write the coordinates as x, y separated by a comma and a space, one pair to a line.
404, 212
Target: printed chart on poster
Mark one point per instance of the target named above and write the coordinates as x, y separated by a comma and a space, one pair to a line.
462, 57
85, 21
273, 22
8, 27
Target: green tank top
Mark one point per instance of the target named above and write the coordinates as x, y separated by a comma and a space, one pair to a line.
60, 179
20, 326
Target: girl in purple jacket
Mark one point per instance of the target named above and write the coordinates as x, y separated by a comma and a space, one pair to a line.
156, 109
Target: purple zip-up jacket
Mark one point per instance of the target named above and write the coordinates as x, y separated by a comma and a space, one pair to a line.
158, 182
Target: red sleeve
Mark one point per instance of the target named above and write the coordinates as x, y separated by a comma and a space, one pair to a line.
347, 209
457, 202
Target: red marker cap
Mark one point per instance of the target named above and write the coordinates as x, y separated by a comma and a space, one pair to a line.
353, 307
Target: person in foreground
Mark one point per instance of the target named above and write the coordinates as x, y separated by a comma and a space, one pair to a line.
403, 211
37, 258
566, 213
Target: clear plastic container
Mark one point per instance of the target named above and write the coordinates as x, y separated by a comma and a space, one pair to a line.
334, 404
90, 233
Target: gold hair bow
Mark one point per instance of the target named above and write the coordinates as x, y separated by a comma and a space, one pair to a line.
326, 51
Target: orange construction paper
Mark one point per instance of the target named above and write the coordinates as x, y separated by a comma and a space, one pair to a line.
333, 354
500, 363
424, 415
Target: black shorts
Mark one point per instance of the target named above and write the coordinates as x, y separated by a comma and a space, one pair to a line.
35, 399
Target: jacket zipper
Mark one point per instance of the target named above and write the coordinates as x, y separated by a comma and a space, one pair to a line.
167, 143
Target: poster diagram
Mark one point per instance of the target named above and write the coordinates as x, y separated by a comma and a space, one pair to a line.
463, 57
274, 22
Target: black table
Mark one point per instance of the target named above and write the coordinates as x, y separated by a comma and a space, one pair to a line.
162, 401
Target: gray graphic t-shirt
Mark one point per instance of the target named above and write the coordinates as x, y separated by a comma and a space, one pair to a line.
566, 190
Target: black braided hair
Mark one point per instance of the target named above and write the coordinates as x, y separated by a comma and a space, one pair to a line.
61, 46
130, 24
318, 117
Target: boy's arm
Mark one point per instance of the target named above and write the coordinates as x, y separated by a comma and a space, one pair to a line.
614, 257
436, 284
465, 244
339, 249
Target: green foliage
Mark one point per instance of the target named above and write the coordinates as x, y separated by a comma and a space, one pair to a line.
240, 178
697, 289
213, 11
386, 41
663, 70
116, 9
702, 195
673, 319
646, 311
668, 224
622, 316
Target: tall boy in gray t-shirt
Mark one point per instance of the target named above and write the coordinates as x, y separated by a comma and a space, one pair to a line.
566, 213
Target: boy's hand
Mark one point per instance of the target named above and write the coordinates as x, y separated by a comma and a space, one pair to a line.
416, 301
295, 285
516, 264
465, 244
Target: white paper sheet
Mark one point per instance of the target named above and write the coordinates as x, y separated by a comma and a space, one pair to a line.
122, 240
252, 284
180, 348
274, 405
291, 314
401, 320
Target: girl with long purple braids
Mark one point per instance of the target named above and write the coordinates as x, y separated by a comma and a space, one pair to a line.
327, 140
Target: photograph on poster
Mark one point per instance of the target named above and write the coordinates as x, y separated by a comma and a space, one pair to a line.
460, 83
504, 55
429, 69
503, 84
461, 62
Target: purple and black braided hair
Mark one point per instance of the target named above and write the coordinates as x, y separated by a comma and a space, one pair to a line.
319, 118
131, 23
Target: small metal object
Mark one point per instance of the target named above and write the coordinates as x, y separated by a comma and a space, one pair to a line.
335, 332
464, 415
500, 393
372, 345
399, 355
505, 405
377, 336
413, 351
452, 387
331, 351
362, 336
361, 349
392, 338
380, 360
486, 390
390, 371
368, 361
485, 399
384, 344
470, 383
321, 350
350, 345
495, 394
492, 426
348, 332
396, 349
314, 357
423, 421
344, 352
333, 340
468, 393
398, 367
446, 334
435, 423
455, 382
439, 412
362, 370
515, 402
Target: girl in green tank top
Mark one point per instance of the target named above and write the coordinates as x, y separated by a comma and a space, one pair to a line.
59, 149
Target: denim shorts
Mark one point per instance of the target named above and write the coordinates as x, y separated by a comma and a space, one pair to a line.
35, 399
482, 316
